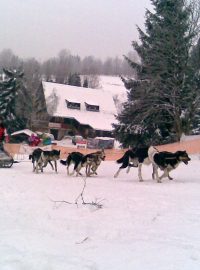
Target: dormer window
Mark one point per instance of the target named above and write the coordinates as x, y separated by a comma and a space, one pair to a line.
73, 105
92, 107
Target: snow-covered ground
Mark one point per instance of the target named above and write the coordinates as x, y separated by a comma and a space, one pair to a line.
142, 225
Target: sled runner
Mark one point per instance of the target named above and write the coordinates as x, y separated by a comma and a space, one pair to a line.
6, 161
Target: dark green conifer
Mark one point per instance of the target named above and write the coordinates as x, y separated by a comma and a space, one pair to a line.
74, 79
158, 109
13, 100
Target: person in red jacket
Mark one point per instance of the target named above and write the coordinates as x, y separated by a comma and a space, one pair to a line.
2, 133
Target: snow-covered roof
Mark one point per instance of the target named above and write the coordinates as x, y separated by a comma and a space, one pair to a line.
101, 120
91, 102
23, 131
72, 100
104, 138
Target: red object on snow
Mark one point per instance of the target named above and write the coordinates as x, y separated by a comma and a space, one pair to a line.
34, 140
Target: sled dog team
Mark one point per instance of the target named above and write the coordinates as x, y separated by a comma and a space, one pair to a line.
91, 161
165, 161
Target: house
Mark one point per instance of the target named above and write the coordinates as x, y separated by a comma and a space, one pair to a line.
78, 110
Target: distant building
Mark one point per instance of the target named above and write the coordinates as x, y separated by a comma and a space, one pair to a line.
78, 110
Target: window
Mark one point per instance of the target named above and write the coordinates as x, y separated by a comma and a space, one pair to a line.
73, 105
92, 108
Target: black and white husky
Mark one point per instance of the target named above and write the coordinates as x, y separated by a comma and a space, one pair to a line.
73, 158
166, 161
35, 157
41, 158
134, 158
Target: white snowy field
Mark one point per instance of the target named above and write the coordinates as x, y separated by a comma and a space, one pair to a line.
142, 225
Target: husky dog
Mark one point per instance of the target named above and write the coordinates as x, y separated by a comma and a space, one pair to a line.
48, 156
166, 161
35, 157
134, 158
73, 158
41, 158
90, 161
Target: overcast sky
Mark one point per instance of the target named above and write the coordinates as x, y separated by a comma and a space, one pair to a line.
41, 28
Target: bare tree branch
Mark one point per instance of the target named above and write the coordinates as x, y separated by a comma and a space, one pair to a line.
97, 203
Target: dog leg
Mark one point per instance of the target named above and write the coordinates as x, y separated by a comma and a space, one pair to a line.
93, 169
87, 170
94, 172
140, 172
169, 177
68, 163
165, 174
45, 163
72, 173
159, 180
77, 169
36, 167
74, 170
40, 166
50, 164
128, 169
78, 173
55, 165
155, 173
117, 173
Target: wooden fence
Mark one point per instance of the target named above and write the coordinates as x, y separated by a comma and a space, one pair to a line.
192, 147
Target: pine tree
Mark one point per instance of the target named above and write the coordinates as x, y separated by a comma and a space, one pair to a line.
195, 106
159, 101
195, 56
74, 79
12, 99
85, 83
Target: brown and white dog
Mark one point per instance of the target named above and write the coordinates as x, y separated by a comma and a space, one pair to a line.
93, 161
90, 161
166, 161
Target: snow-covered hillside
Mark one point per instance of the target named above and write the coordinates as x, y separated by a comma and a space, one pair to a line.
142, 225
116, 87
113, 84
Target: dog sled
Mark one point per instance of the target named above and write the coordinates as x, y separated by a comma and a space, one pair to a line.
6, 160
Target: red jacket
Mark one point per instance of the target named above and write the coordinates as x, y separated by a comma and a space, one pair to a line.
2, 133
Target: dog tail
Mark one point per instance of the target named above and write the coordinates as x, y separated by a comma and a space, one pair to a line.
63, 162
124, 157
30, 157
67, 161
120, 160
151, 152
